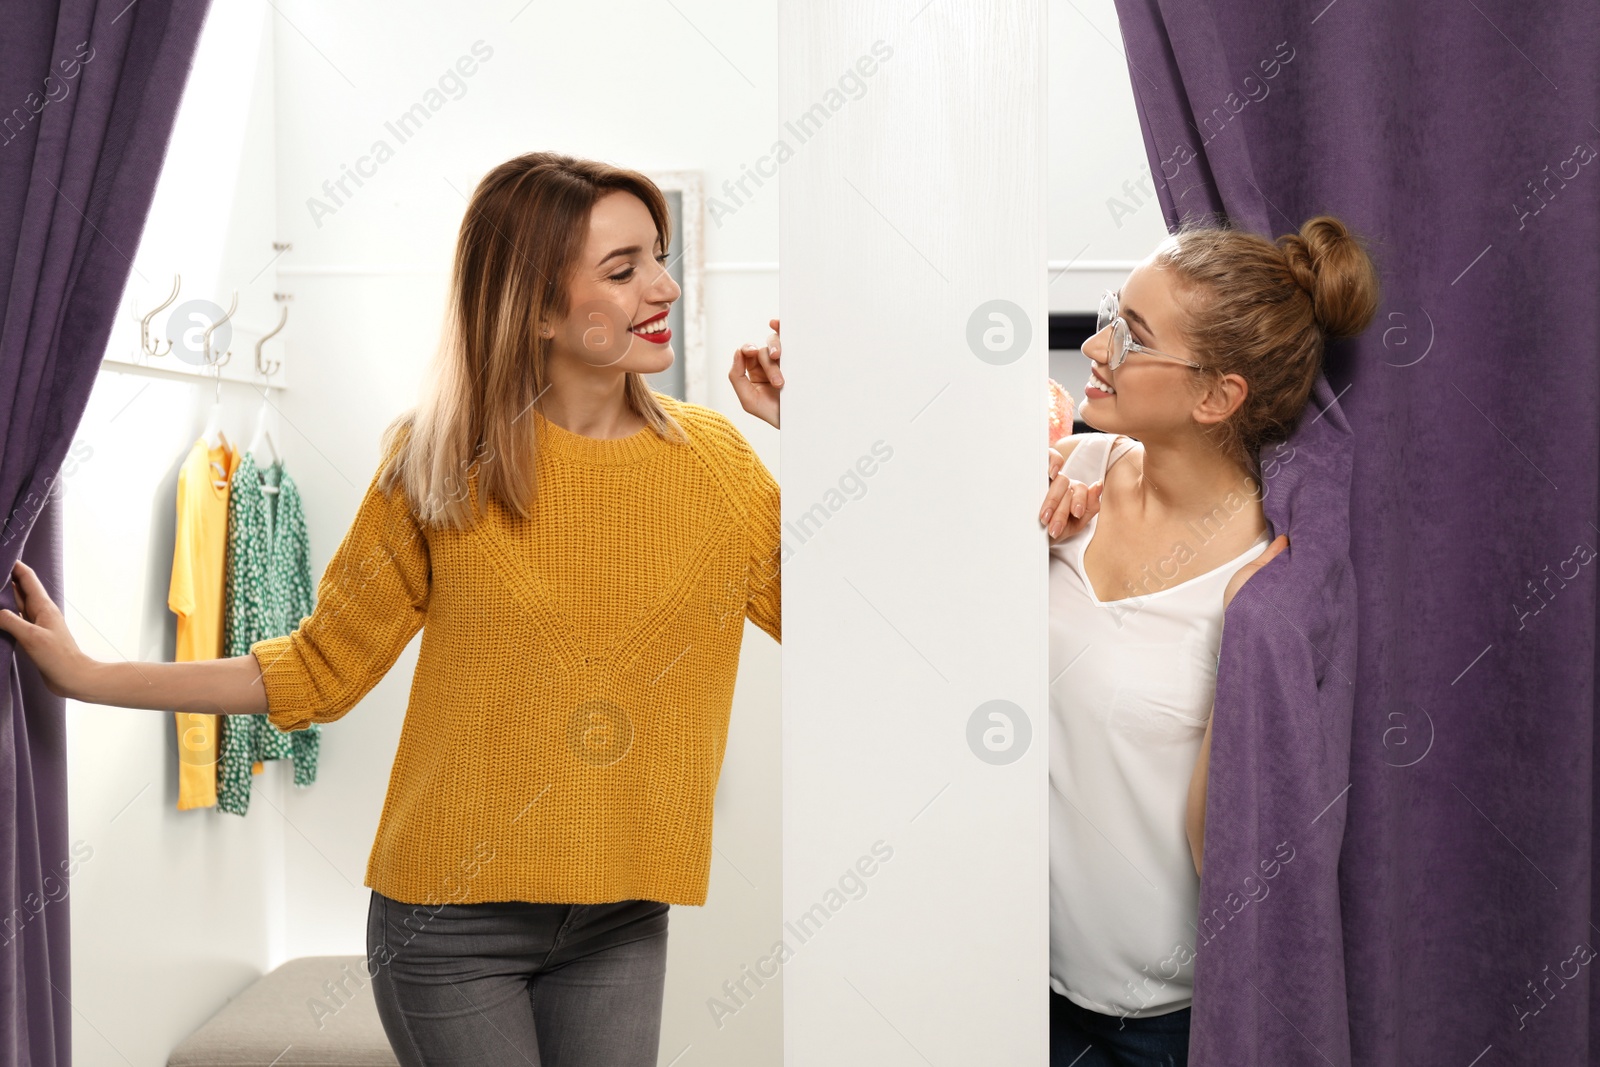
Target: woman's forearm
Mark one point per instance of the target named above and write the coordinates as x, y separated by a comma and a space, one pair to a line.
209, 687
213, 687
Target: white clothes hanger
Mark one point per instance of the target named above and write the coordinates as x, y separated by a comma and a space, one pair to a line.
216, 360
212, 435
267, 369
263, 440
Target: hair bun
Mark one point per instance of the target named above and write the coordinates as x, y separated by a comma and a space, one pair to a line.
1333, 268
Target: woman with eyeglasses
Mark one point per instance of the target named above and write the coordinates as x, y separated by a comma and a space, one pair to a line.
1205, 357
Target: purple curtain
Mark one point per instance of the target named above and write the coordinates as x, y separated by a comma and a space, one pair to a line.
88, 95
1400, 842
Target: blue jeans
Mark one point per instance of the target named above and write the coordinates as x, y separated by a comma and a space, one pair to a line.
534, 985
1083, 1038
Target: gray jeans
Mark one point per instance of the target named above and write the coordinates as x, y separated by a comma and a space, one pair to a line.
535, 985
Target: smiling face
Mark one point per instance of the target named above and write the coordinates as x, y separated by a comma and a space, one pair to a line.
618, 296
1151, 397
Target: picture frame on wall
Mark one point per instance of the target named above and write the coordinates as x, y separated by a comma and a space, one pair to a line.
686, 379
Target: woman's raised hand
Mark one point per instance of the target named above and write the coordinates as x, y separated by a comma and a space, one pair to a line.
41, 631
756, 378
1068, 505
1243, 574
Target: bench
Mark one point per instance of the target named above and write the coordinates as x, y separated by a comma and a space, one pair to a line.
313, 1010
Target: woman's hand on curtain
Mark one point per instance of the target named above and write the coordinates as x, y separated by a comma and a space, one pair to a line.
1243, 574
1068, 505
756, 378
41, 632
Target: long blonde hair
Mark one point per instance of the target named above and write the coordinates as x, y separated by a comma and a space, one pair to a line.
519, 243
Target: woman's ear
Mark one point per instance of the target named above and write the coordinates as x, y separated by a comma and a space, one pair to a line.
1221, 398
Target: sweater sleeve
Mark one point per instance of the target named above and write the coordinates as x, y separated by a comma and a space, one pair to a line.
371, 601
763, 524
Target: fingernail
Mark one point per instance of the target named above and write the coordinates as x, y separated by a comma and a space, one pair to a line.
1077, 510
1044, 516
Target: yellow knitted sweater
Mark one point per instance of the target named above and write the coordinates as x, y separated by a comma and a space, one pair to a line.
569, 710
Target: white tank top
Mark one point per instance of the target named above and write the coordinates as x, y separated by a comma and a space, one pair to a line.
1131, 686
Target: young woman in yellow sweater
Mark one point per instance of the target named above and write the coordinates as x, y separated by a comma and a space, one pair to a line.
580, 553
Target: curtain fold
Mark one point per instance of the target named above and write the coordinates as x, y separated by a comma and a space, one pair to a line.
88, 95
1426, 758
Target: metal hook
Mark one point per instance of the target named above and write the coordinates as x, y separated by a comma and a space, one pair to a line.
144, 323
261, 367
205, 341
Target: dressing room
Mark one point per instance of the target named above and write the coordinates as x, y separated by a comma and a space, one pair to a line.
1044, 533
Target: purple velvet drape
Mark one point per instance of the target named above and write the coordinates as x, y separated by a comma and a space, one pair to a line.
1405, 709
88, 95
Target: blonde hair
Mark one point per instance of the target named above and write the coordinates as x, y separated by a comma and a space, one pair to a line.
518, 246
1265, 310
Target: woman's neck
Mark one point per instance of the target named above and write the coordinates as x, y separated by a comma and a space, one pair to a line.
591, 408
1182, 482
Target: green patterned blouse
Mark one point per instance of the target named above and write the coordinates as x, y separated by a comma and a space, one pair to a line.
268, 590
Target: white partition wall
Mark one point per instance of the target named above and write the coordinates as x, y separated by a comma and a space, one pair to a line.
915, 706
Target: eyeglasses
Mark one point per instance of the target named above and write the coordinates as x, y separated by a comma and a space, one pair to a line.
1121, 341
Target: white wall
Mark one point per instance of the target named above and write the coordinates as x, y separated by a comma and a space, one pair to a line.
1104, 216
915, 833
177, 911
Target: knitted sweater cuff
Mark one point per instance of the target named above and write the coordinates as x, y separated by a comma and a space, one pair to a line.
289, 706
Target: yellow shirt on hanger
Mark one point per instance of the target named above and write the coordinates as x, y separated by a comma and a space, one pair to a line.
199, 555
